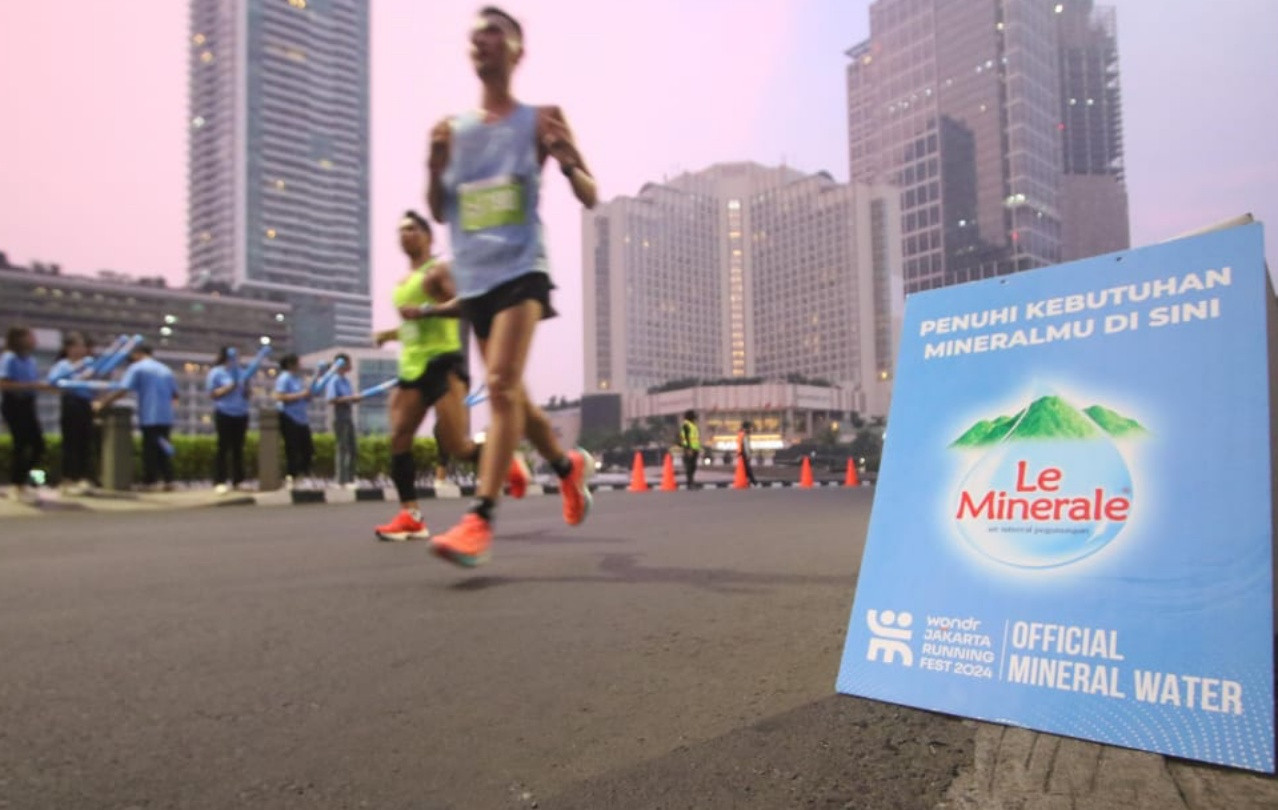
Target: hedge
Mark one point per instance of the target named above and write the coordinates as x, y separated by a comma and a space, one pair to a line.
194, 456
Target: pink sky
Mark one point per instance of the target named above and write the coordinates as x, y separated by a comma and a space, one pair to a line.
93, 150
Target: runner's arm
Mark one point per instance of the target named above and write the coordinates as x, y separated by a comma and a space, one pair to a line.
435, 199
555, 140
438, 284
448, 309
437, 162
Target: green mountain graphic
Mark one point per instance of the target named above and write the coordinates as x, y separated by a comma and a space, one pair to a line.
1053, 418
986, 431
1113, 423
1048, 418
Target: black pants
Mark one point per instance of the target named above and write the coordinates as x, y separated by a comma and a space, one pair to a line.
230, 447
298, 447
155, 462
28, 437
749, 468
78, 439
690, 466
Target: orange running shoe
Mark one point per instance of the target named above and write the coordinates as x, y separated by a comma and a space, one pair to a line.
403, 527
576, 487
466, 544
518, 477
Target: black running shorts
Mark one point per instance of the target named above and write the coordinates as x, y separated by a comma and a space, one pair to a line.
534, 286
433, 383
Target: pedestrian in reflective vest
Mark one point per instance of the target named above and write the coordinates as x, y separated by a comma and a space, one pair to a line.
690, 441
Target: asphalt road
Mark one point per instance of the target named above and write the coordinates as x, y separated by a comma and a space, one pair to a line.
677, 650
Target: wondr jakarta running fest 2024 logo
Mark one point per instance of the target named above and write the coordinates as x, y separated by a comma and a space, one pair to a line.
1051, 486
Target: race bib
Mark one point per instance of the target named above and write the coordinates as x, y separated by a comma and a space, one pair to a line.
491, 203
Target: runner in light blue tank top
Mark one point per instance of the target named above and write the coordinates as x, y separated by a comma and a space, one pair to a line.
492, 187
485, 182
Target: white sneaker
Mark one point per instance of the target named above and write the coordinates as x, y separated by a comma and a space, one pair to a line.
221, 489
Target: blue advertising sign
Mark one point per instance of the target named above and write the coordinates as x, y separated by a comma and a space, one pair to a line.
1072, 530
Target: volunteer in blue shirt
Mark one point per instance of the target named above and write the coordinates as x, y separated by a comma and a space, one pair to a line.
231, 396
155, 388
293, 395
19, 384
76, 417
342, 397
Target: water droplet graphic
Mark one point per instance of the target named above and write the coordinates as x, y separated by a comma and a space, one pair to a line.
1041, 503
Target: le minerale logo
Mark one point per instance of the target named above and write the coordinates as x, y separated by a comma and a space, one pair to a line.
1051, 486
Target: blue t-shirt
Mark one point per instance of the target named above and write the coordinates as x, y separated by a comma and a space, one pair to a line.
154, 385
18, 369
289, 383
63, 370
231, 404
339, 386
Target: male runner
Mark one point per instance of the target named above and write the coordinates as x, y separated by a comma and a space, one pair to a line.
432, 373
485, 181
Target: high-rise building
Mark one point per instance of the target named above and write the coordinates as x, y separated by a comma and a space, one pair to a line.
1094, 212
959, 103
279, 169
743, 271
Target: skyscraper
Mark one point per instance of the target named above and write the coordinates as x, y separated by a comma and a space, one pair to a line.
959, 103
1094, 214
278, 173
744, 271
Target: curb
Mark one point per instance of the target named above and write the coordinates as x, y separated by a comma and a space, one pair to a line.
131, 502
303, 497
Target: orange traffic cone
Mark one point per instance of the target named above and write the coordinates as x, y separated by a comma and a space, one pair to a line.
668, 483
740, 481
805, 474
852, 479
637, 482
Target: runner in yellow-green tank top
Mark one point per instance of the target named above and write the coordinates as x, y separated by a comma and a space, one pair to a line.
432, 373
421, 340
